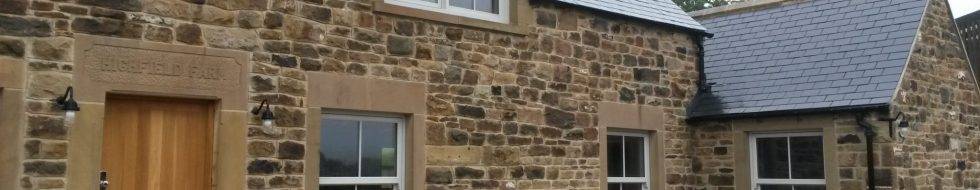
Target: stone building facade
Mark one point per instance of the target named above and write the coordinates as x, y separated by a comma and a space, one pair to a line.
488, 105
532, 103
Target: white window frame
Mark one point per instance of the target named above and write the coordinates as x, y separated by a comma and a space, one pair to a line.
503, 15
398, 180
753, 161
645, 180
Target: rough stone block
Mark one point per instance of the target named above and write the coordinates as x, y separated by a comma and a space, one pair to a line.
126, 5
17, 7
241, 39
189, 34
11, 47
107, 27
17, 26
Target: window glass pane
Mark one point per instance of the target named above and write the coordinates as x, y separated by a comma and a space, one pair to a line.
809, 187
357, 187
772, 157
378, 150
806, 155
466, 4
338, 148
490, 6
614, 186
775, 187
632, 186
337, 187
375, 187
635, 155
615, 155
430, 1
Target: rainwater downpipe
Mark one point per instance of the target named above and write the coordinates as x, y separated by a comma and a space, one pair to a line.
869, 136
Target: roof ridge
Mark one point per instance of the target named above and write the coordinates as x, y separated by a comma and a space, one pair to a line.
749, 5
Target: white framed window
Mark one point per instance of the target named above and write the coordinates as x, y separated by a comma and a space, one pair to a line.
361, 152
628, 161
490, 10
787, 161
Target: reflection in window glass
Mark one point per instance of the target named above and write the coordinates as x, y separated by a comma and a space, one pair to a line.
357, 187
809, 187
772, 152
792, 187
615, 155
378, 152
635, 155
625, 186
466, 4
338, 148
776, 187
490, 6
807, 157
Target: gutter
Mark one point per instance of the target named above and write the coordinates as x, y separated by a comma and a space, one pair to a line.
856, 108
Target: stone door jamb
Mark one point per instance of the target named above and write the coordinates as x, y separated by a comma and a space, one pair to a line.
12, 125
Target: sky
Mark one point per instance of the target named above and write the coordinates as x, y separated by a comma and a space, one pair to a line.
963, 7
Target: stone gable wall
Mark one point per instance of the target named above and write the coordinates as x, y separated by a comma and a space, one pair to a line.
940, 97
942, 107
525, 105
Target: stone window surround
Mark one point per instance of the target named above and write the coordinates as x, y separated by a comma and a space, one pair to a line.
754, 149
520, 17
635, 118
445, 6
11, 127
806, 123
85, 134
333, 92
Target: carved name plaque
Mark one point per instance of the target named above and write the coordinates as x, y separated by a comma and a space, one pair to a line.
113, 65
159, 68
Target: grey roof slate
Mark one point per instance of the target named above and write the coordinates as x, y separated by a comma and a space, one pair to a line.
814, 54
662, 11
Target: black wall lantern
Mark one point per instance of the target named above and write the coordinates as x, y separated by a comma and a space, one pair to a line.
67, 103
899, 126
265, 113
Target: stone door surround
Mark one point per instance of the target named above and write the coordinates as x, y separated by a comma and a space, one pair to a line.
11, 116
105, 65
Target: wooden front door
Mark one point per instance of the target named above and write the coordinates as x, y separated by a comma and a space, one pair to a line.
158, 143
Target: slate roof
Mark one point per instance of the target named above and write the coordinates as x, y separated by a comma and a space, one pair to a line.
661, 11
807, 55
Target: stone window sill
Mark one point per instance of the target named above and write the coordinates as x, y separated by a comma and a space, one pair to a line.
519, 17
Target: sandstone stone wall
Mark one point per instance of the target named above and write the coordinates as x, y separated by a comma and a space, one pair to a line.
516, 107
941, 97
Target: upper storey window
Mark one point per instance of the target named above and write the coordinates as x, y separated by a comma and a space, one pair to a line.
489, 10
